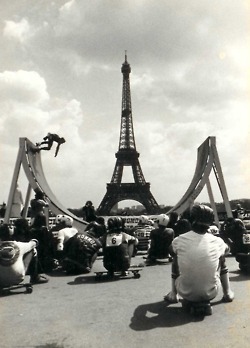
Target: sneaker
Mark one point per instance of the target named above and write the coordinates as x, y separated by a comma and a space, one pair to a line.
170, 299
124, 273
40, 279
228, 298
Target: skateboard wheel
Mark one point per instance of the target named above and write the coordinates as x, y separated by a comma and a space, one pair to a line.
29, 289
137, 275
209, 310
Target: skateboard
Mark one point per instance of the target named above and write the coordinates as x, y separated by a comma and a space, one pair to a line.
158, 261
197, 308
34, 149
163, 261
7, 290
135, 271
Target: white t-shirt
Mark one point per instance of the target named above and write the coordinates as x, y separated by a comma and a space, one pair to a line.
199, 265
12, 268
65, 234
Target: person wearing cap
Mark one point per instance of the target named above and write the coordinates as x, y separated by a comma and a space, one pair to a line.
199, 267
160, 240
142, 232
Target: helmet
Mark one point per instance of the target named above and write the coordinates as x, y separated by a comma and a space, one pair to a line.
115, 223
202, 214
9, 253
67, 220
151, 222
238, 223
163, 220
143, 220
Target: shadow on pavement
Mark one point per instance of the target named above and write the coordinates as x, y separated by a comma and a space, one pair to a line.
238, 276
160, 314
88, 279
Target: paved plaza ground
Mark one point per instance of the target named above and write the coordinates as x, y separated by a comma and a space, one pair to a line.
79, 312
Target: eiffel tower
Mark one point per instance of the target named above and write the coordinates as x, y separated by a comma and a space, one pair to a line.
139, 190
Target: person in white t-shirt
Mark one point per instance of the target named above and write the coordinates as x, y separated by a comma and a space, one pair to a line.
199, 267
16, 258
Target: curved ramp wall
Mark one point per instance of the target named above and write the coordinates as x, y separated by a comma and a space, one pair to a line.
33, 168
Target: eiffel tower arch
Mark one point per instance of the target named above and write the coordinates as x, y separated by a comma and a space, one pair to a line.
127, 155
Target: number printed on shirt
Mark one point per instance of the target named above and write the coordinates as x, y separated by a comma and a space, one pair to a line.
114, 240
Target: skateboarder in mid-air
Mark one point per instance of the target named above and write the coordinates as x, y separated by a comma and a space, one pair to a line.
49, 139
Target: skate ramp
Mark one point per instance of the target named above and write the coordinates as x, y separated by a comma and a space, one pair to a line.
33, 168
203, 168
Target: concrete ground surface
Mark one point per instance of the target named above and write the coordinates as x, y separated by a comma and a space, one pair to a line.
79, 312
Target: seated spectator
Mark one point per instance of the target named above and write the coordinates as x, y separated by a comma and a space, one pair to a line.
77, 251
214, 229
231, 232
22, 230
160, 240
18, 259
117, 247
182, 226
80, 253
199, 266
173, 218
97, 228
142, 233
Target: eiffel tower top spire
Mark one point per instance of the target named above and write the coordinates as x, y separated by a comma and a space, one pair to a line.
127, 138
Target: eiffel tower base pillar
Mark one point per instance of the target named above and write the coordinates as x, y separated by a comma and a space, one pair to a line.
131, 191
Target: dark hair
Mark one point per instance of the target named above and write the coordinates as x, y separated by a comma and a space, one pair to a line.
100, 220
5, 232
22, 230
39, 194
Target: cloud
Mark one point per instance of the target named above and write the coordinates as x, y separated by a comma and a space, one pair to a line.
20, 31
189, 80
23, 86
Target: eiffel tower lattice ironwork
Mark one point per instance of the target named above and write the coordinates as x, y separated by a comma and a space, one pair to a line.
127, 155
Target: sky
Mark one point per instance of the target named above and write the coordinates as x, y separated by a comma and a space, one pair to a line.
60, 72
